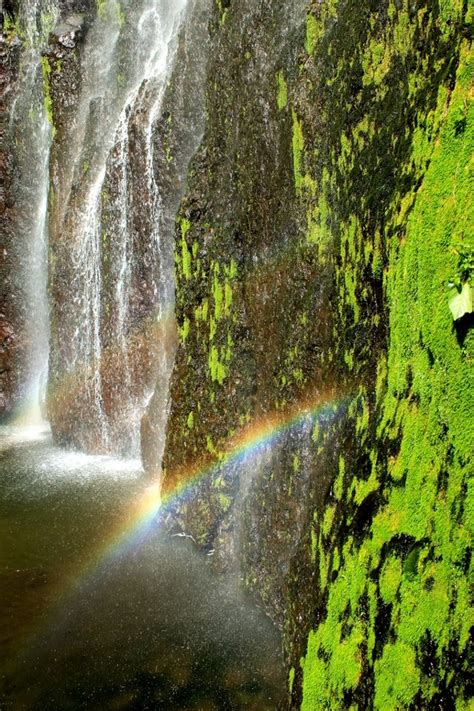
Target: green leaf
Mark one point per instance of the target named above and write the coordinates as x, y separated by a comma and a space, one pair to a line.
461, 302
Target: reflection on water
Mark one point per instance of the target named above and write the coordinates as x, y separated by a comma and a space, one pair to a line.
148, 628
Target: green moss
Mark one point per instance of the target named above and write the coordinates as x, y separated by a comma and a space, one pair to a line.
314, 544
227, 298
121, 17
201, 312
333, 661
298, 148
217, 367
232, 269
48, 102
185, 225
210, 445
390, 579
225, 502
380, 147
282, 91
339, 483
328, 520
422, 414
184, 330
291, 680
312, 33
397, 677
185, 253
9, 28
101, 8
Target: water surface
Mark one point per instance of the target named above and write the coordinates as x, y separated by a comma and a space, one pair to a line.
89, 624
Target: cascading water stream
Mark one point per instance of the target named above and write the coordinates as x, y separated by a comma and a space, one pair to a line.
105, 232
32, 134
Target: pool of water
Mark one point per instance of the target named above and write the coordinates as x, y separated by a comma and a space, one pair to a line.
98, 612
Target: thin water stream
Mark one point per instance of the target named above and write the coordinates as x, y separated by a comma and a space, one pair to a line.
100, 616
31, 133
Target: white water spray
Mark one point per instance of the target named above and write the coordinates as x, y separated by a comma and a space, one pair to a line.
32, 132
106, 225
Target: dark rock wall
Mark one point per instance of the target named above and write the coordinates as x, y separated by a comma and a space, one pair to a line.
177, 136
11, 345
321, 424
25, 30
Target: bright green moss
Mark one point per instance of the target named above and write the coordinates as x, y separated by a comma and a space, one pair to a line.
48, 102
314, 544
202, 311
328, 520
397, 677
312, 33
212, 329
232, 269
185, 329
333, 661
339, 483
298, 148
185, 227
390, 579
424, 405
218, 369
210, 445
282, 91
323, 565
291, 680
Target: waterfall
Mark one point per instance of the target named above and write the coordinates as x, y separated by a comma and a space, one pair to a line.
110, 281
31, 133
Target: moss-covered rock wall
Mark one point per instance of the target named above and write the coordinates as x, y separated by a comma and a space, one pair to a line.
321, 406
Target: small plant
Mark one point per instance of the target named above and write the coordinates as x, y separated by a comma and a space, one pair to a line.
461, 297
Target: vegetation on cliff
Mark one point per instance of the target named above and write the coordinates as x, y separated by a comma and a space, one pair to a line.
338, 179
321, 417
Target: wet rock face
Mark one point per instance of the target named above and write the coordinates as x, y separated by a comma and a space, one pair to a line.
24, 145
320, 410
244, 362
176, 138
11, 332
112, 335
100, 418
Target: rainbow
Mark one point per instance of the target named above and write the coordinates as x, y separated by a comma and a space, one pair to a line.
253, 439
142, 514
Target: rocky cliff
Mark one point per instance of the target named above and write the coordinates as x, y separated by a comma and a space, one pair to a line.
118, 164
321, 421
320, 429
11, 348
